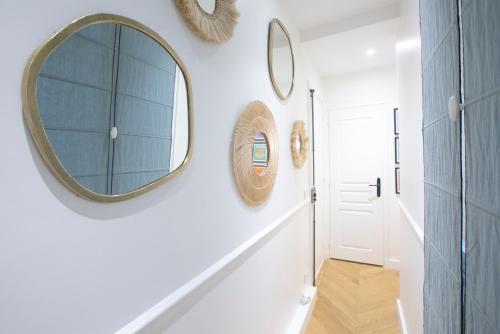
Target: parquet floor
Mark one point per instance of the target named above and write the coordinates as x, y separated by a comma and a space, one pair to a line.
355, 298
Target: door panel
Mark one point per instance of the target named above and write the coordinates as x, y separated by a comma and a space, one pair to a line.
358, 151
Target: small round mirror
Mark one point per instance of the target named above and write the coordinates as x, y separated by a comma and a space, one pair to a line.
208, 6
260, 153
280, 57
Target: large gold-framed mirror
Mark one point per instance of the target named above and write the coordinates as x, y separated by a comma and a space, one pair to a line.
280, 59
108, 104
211, 20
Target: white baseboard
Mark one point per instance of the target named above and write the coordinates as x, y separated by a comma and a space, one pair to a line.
319, 268
303, 313
401, 314
391, 263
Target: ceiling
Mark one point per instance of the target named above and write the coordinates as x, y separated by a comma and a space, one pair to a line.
308, 14
347, 51
336, 34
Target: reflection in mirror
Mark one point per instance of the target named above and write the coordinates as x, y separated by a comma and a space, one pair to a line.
281, 59
208, 6
114, 106
298, 143
260, 155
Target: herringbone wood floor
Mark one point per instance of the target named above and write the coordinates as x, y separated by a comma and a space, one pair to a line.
355, 298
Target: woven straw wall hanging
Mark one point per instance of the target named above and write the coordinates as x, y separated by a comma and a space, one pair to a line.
216, 24
299, 143
255, 153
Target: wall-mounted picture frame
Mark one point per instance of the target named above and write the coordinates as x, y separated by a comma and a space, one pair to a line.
397, 179
396, 121
396, 150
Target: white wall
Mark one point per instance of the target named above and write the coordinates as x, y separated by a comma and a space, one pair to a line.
364, 88
412, 170
74, 266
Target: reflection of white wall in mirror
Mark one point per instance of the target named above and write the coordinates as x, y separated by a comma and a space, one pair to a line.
180, 128
282, 61
298, 143
207, 5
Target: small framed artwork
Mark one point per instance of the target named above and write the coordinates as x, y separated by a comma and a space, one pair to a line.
396, 150
260, 153
397, 180
396, 121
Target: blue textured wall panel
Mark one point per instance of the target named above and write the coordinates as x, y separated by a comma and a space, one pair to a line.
481, 32
442, 167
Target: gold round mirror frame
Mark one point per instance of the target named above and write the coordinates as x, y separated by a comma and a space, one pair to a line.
270, 44
34, 122
299, 154
216, 27
256, 118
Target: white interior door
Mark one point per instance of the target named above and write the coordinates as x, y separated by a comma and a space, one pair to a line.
357, 161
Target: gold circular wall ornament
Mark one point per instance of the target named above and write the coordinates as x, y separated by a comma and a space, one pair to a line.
254, 187
216, 27
299, 144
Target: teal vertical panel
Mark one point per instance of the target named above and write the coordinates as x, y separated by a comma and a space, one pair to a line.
74, 97
481, 33
143, 116
442, 167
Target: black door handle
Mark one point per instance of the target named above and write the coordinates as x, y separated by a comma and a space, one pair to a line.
378, 185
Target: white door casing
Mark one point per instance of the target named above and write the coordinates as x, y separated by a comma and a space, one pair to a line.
357, 161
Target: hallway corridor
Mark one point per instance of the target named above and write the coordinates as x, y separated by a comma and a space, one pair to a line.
355, 298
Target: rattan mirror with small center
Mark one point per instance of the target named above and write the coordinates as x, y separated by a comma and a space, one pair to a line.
299, 144
108, 104
211, 20
255, 153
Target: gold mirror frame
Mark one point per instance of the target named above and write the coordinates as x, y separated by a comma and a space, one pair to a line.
34, 122
299, 133
216, 27
270, 44
254, 189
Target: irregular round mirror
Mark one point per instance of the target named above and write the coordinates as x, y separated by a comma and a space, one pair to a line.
108, 104
281, 61
208, 6
260, 155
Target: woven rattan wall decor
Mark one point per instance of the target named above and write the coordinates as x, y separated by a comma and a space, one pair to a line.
255, 153
217, 26
299, 144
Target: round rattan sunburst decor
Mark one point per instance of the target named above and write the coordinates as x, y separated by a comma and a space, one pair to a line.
255, 127
299, 144
217, 26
